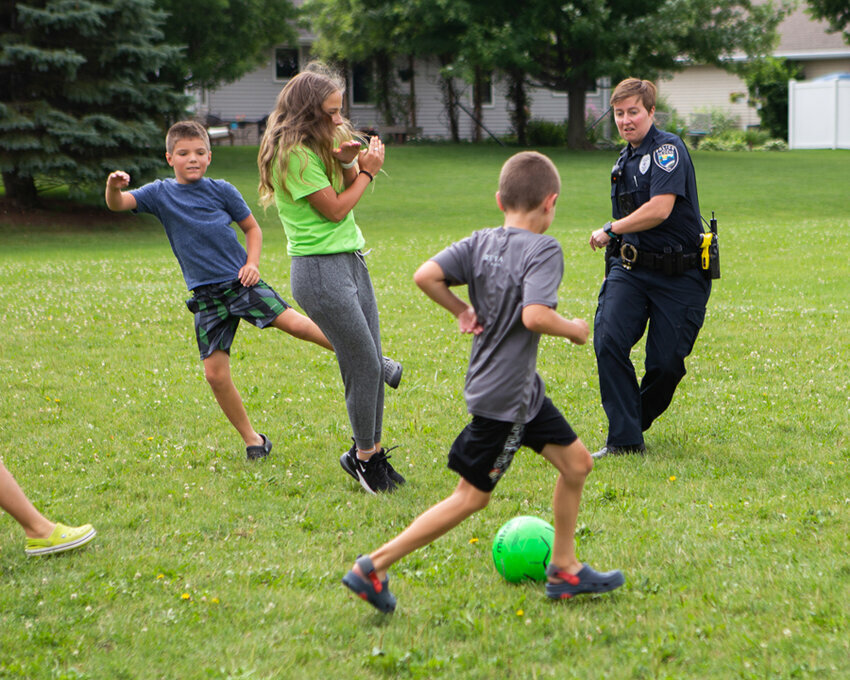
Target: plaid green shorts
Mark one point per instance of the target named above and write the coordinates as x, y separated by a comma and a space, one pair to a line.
218, 307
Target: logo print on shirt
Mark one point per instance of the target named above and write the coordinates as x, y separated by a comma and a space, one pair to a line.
644, 164
666, 157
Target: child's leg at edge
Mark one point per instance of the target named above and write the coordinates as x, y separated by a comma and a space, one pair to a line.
574, 463
14, 501
217, 373
301, 327
429, 526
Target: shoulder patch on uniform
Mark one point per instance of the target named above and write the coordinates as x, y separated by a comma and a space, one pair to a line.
666, 157
644, 164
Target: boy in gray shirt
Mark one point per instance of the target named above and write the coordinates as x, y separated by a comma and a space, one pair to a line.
512, 274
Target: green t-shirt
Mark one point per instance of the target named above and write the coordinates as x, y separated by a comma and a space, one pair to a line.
308, 232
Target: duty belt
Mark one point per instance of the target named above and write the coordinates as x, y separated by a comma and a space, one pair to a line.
671, 262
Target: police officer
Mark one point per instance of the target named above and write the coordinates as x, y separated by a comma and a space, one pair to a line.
653, 271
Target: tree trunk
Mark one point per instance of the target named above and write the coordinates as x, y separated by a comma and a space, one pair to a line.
385, 87
450, 100
20, 189
411, 104
477, 108
576, 134
520, 110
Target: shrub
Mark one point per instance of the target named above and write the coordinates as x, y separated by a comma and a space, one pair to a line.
767, 82
672, 122
774, 145
711, 144
755, 137
720, 120
740, 140
546, 133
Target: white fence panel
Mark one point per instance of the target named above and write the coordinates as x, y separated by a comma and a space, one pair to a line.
819, 114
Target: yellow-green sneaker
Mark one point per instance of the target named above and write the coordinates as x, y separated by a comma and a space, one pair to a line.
63, 538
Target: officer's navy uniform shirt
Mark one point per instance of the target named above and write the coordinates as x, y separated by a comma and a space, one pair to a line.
660, 165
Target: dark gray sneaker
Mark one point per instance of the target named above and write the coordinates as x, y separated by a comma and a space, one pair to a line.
375, 592
372, 473
392, 372
587, 580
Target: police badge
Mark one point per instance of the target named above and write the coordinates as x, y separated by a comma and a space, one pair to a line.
666, 157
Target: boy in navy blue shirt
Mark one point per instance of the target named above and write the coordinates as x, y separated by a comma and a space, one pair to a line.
197, 213
512, 274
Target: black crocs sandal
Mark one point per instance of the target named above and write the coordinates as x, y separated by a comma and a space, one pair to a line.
259, 451
375, 592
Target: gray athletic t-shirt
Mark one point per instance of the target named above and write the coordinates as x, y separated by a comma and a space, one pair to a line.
505, 269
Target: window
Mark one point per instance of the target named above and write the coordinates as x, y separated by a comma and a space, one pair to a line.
285, 62
486, 90
361, 84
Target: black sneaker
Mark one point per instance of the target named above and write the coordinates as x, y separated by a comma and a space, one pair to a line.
392, 473
372, 473
392, 372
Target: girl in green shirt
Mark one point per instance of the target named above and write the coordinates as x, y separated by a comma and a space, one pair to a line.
312, 167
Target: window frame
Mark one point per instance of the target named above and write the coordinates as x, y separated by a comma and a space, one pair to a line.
299, 60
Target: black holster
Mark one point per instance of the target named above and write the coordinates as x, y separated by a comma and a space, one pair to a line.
713, 271
612, 253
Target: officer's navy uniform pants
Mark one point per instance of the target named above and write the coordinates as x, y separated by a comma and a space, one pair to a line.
674, 307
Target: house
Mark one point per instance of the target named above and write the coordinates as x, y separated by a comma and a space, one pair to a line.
244, 103
699, 88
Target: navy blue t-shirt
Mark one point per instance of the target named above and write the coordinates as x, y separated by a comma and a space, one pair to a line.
660, 165
197, 218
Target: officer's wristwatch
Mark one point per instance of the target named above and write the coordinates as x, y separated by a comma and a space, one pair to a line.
608, 229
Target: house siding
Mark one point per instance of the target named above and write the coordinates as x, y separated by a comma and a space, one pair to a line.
253, 96
801, 39
698, 89
816, 69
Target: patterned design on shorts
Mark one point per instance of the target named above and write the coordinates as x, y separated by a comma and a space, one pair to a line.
219, 307
512, 444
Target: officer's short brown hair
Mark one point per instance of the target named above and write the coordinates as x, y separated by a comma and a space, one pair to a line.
186, 129
635, 86
526, 180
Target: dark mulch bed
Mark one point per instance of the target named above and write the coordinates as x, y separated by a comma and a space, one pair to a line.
61, 215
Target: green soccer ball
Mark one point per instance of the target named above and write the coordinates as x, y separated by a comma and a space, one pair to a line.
522, 548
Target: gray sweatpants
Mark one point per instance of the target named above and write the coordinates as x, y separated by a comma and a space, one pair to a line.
336, 293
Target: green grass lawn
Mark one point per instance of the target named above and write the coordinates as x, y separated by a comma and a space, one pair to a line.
732, 532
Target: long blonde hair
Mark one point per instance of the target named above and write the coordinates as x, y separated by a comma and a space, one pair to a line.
298, 119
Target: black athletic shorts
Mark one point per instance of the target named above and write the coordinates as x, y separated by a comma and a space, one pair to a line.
218, 307
483, 451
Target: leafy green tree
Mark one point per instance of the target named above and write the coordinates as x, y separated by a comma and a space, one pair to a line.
767, 83
221, 40
382, 30
579, 43
836, 12
358, 31
78, 93
561, 47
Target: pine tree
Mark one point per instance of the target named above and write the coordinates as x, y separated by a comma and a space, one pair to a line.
78, 93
